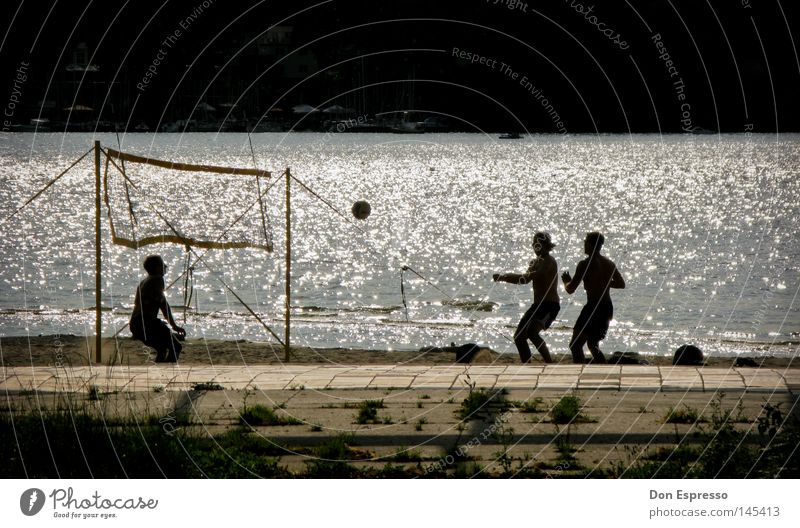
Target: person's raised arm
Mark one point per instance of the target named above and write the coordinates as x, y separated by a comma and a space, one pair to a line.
516, 278
571, 283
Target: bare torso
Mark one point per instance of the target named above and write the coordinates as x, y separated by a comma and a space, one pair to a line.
545, 278
599, 275
149, 297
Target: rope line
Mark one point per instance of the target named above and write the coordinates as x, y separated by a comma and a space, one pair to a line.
264, 218
188, 283
131, 212
403, 291
49, 184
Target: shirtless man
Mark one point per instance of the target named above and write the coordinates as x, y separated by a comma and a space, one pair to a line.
145, 324
543, 272
598, 274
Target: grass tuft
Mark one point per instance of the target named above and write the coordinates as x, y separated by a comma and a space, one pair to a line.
368, 411
256, 415
477, 401
687, 415
568, 410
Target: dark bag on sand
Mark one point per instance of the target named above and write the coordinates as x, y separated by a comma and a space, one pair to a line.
688, 355
465, 353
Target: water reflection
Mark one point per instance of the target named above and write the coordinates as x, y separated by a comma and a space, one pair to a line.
703, 228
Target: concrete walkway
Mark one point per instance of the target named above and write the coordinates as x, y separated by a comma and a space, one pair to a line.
319, 377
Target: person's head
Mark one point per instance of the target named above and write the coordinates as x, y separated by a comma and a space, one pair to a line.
593, 243
154, 265
542, 243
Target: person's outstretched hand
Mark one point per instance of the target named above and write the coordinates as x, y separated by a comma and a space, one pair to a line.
180, 331
566, 277
496, 277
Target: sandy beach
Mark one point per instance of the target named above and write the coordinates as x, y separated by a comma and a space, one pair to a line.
61, 350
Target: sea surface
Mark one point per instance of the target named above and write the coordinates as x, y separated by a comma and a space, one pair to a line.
703, 228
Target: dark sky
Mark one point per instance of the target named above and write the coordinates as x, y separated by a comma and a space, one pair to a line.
545, 66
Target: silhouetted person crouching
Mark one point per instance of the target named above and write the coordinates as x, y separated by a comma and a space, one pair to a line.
145, 324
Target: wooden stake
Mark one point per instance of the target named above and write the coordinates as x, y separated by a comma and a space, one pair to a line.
98, 267
288, 285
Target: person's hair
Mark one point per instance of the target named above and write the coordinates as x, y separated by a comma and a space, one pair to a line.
151, 262
595, 240
542, 239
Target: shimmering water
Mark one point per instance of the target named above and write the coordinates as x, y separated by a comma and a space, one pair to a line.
704, 229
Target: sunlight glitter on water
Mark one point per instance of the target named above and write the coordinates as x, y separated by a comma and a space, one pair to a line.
703, 228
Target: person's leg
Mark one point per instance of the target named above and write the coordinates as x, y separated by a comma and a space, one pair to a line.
160, 338
576, 347
541, 346
594, 348
174, 350
521, 341
521, 336
534, 327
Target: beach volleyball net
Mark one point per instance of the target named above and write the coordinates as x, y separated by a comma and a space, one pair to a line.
152, 201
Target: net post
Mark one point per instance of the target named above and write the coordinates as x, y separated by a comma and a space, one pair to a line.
98, 314
288, 286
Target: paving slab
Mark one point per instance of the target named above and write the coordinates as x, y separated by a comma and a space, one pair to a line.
480, 381
640, 370
639, 382
563, 369
344, 382
436, 377
430, 383
597, 384
680, 376
678, 371
555, 381
485, 369
721, 382
411, 370
589, 370
519, 381
525, 370
384, 381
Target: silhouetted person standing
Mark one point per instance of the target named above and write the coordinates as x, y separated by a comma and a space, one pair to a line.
145, 324
598, 274
543, 272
